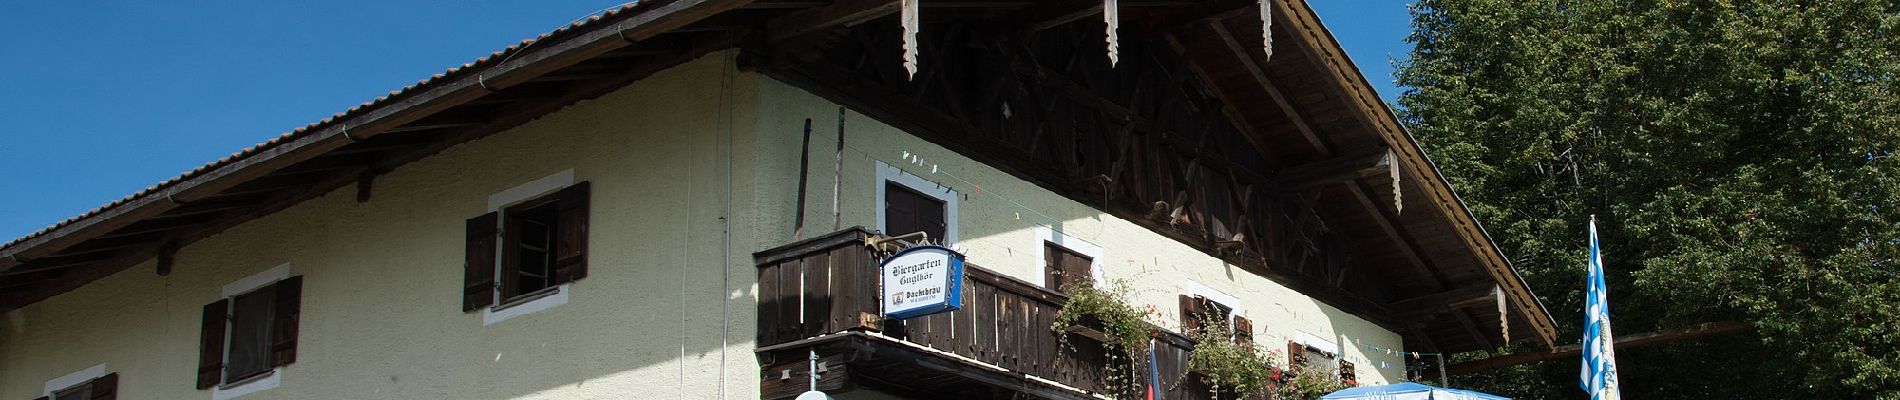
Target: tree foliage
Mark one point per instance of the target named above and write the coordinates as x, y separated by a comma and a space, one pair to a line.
1740, 157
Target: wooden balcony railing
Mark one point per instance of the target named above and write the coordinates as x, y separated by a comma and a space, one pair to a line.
828, 285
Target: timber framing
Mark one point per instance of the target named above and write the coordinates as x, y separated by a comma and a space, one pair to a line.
1289, 167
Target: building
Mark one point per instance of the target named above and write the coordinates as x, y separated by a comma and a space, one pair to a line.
615, 211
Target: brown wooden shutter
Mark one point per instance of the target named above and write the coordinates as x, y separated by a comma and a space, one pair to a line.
1075, 269
1065, 267
106, 387
907, 211
478, 267
289, 309
1190, 315
1052, 266
211, 344
1243, 331
570, 244
930, 218
1295, 354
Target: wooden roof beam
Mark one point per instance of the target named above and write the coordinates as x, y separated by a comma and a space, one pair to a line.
1453, 299
840, 14
1336, 170
1233, 115
1259, 74
1058, 13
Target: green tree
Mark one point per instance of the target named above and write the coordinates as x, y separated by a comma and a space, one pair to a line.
1740, 157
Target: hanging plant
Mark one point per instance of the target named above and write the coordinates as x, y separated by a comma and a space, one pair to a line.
1107, 317
1227, 366
1307, 383
1120, 325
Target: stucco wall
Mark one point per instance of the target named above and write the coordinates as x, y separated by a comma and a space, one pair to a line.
381, 304
382, 316
997, 228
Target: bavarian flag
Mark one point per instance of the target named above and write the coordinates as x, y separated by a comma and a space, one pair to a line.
1599, 346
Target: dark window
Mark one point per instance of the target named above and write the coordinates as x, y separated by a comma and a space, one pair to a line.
81, 392
528, 255
249, 352
1065, 267
907, 210
101, 388
1196, 311
247, 335
543, 244
1301, 355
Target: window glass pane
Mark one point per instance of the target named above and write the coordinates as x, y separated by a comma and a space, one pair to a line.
250, 334
534, 245
1319, 360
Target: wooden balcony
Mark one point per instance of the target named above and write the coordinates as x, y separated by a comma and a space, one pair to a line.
821, 294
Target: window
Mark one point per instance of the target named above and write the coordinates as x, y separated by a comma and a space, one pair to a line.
526, 250
1067, 261
909, 203
83, 392
250, 321
90, 384
251, 331
1312, 356
1065, 267
906, 211
1197, 311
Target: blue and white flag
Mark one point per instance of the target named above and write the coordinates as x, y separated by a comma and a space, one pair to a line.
1599, 346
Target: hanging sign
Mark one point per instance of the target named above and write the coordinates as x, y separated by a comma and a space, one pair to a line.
922, 280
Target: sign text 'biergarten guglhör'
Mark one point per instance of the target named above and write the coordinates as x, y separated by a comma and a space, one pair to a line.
922, 280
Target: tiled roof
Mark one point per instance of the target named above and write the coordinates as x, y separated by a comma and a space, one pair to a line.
490, 59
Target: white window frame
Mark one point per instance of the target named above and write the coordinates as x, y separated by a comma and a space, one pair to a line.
887, 173
74, 379
268, 380
502, 309
1046, 235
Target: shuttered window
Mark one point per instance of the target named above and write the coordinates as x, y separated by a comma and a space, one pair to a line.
907, 210
1301, 355
101, 388
1197, 310
249, 334
542, 244
1065, 267
249, 351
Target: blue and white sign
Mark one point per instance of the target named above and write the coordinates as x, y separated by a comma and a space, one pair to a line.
922, 280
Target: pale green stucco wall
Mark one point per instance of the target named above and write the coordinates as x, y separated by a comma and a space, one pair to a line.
382, 315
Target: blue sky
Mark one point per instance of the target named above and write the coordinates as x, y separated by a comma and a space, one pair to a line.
103, 99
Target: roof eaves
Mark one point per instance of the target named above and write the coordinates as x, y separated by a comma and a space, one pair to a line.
10, 251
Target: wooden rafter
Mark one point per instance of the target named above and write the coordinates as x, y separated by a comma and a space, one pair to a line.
1335, 170
842, 13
